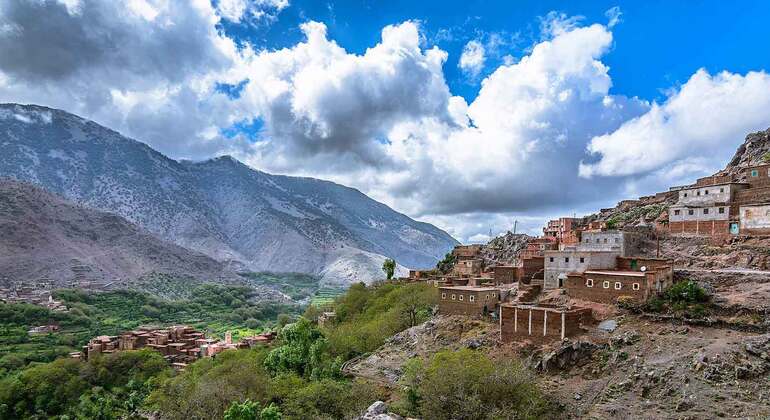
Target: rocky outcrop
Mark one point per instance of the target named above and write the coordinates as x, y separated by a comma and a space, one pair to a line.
754, 150
379, 411
504, 249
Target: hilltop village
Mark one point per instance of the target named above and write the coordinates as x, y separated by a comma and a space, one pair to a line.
555, 287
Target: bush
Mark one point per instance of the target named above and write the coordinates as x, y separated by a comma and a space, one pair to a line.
686, 292
466, 384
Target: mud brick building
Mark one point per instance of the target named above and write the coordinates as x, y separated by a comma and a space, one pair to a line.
468, 300
560, 263
564, 231
541, 323
528, 268
504, 274
536, 247
636, 278
623, 242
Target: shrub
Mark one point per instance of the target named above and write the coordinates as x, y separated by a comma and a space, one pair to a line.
466, 384
686, 292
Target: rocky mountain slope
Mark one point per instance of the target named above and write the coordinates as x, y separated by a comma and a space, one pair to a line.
43, 236
219, 207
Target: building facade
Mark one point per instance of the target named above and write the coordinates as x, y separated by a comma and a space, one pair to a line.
637, 279
622, 242
559, 263
468, 300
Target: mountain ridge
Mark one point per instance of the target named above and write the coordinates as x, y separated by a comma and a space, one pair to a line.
217, 206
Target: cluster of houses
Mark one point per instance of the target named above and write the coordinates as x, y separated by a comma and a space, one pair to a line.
39, 294
179, 345
724, 204
590, 263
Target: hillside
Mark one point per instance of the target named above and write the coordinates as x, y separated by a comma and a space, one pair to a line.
219, 207
43, 236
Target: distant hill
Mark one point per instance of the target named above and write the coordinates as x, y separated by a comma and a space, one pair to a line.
219, 207
42, 236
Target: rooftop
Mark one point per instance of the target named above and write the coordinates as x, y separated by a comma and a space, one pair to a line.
470, 288
617, 273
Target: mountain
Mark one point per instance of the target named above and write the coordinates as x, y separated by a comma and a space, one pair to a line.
220, 206
43, 236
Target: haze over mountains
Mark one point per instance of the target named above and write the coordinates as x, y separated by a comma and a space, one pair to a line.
219, 207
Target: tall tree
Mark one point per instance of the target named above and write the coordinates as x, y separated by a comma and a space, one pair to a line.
389, 267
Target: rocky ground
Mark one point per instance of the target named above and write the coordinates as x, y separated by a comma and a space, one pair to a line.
642, 369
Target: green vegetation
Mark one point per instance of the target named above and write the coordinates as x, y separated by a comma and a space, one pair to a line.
366, 316
110, 387
298, 377
766, 157
214, 309
295, 285
325, 297
649, 212
685, 298
389, 267
447, 264
466, 384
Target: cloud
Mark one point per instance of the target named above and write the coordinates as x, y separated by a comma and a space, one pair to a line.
545, 136
700, 121
613, 16
472, 58
237, 11
145, 68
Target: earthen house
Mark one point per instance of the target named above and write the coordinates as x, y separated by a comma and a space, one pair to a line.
467, 300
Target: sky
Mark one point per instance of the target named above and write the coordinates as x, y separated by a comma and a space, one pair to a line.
471, 115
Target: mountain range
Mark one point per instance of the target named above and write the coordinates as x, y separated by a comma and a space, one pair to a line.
219, 207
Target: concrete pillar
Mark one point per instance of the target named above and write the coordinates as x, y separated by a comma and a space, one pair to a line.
562, 325
530, 323
515, 319
545, 321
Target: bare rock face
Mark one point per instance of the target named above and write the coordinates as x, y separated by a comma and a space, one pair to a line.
43, 236
504, 249
219, 207
379, 411
751, 152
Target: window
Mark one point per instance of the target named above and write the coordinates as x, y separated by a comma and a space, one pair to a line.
618, 285
606, 284
705, 211
590, 283
453, 297
460, 298
582, 260
605, 240
550, 259
472, 298
721, 190
721, 210
617, 240
697, 193
635, 286
597, 240
487, 298
754, 173
566, 259
443, 296
685, 194
706, 192
676, 212
690, 212
588, 240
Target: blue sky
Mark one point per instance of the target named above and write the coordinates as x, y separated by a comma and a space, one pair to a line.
467, 114
657, 44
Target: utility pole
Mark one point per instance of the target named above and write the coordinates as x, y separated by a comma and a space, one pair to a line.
515, 222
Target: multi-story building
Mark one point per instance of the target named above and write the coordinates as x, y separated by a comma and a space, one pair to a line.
623, 242
559, 263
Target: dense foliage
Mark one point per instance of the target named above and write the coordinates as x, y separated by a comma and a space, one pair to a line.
466, 384
389, 268
212, 308
297, 377
366, 316
109, 387
295, 285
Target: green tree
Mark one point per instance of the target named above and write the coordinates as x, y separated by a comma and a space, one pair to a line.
247, 410
389, 267
447, 264
466, 384
303, 350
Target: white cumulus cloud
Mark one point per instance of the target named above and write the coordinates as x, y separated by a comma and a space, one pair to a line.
472, 58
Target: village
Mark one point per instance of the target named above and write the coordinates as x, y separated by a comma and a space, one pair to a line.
556, 287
